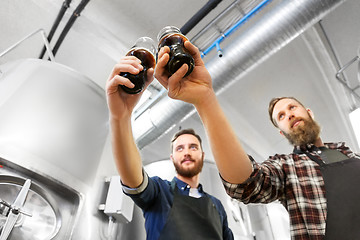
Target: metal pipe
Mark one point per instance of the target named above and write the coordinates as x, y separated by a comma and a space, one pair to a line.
208, 7
69, 24
64, 7
212, 22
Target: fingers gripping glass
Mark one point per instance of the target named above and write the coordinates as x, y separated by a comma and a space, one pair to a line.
171, 36
144, 49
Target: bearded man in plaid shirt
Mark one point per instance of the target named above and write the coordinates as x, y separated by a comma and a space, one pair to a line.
317, 183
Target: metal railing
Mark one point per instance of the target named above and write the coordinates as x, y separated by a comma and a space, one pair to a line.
44, 37
340, 76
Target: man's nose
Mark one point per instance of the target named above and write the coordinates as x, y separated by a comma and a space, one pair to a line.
290, 116
186, 151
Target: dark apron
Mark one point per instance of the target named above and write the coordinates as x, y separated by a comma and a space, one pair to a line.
343, 198
192, 218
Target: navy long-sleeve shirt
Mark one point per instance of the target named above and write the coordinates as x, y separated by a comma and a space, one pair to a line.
155, 198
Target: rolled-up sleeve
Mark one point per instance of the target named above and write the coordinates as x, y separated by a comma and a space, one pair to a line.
132, 191
265, 184
146, 193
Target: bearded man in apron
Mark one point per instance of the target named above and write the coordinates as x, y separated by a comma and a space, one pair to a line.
176, 210
317, 183
180, 209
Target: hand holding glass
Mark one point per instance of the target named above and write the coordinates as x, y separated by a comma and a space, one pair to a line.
144, 49
172, 37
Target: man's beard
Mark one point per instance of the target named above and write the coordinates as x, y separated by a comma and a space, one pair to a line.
305, 134
189, 172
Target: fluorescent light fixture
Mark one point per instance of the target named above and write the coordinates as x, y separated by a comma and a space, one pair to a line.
355, 122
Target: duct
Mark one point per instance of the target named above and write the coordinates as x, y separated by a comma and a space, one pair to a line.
284, 22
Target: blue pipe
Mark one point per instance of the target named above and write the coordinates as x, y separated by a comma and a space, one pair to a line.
233, 28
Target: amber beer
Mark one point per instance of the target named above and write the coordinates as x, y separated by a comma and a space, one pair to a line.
146, 54
171, 36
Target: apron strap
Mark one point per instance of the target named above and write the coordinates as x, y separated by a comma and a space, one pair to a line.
173, 185
312, 157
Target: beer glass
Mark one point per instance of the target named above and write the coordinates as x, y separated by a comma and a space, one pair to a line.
144, 49
172, 37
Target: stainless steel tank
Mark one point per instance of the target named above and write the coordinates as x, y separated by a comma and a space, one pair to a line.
53, 127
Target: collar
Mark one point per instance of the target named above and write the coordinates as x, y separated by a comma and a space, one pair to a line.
313, 148
184, 186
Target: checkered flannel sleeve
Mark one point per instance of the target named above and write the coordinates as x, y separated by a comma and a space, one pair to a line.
265, 184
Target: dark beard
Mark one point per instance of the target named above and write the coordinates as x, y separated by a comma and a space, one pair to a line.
305, 134
189, 173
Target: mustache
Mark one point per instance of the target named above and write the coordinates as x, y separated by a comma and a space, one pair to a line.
187, 159
295, 120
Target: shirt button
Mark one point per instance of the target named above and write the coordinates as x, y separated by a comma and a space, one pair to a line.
182, 188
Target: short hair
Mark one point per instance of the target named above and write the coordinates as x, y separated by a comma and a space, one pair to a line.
182, 132
272, 104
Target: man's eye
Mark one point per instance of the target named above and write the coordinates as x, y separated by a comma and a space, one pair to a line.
179, 148
281, 116
194, 147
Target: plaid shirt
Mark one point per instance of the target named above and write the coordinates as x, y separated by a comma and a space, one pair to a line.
296, 181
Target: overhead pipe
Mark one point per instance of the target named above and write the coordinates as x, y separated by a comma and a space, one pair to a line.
64, 7
275, 29
233, 28
69, 24
215, 20
194, 20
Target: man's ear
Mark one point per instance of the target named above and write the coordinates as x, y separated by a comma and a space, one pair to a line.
310, 113
171, 157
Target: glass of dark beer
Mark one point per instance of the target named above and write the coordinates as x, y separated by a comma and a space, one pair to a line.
172, 37
144, 49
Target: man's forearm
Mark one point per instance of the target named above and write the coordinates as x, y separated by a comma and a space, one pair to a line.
126, 154
231, 159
